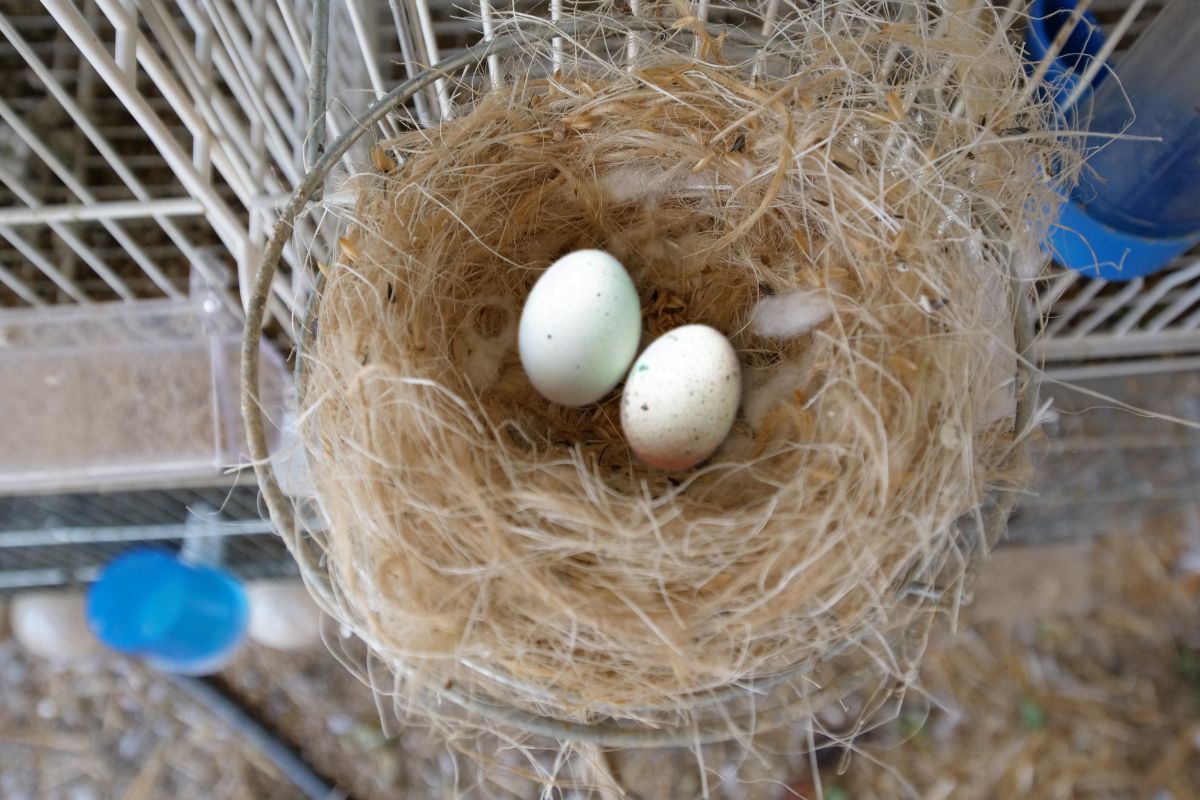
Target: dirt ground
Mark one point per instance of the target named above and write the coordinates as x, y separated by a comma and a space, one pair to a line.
1076, 674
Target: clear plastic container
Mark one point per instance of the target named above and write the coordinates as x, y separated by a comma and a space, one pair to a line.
124, 395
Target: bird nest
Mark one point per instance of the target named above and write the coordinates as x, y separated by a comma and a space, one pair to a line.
851, 204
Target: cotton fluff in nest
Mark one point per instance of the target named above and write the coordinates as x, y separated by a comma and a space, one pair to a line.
844, 208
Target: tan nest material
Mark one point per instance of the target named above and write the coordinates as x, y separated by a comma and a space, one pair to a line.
846, 204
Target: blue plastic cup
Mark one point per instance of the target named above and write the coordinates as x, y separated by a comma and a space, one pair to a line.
180, 617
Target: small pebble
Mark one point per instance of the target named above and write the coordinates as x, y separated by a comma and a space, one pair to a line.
339, 724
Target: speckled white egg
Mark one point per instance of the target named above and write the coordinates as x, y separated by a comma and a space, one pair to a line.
681, 397
580, 328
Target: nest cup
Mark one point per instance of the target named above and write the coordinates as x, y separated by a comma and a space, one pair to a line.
852, 200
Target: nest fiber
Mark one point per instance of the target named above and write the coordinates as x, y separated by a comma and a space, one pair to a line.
848, 200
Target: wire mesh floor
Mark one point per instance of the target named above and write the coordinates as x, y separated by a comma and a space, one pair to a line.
63, 539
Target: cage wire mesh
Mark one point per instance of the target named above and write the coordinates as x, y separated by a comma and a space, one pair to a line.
145, 146
1109, 470
64, 539
143, 143
139, 149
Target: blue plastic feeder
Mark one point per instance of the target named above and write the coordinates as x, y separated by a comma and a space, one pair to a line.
180, 617
1137, 206
1046, 20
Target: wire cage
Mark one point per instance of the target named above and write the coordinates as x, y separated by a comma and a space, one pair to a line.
140, 145
145, 148
174, 129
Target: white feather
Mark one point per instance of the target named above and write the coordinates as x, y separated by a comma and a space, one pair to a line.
787, 316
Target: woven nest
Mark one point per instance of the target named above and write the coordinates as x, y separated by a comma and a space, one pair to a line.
849, 201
